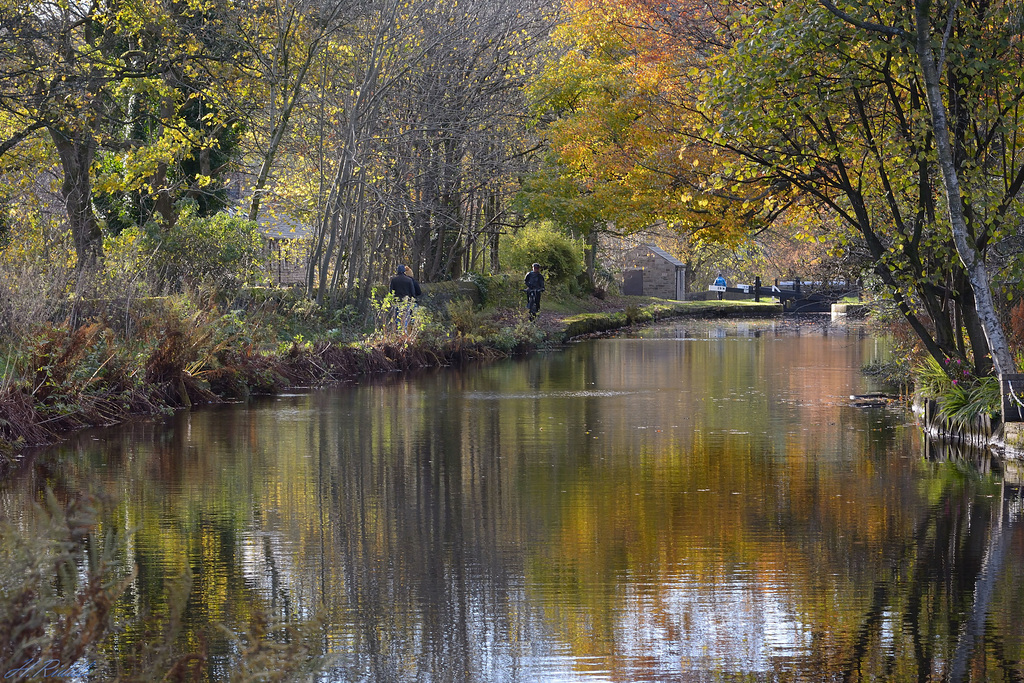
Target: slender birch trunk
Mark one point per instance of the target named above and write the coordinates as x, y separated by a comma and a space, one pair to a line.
974, 264
977, 273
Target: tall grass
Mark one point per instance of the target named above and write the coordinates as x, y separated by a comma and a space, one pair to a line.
59, 581
959, 395
188, 349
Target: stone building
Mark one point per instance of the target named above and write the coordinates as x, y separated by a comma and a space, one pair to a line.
650, 271
287, 249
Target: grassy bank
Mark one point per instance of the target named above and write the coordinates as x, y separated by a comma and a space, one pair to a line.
641, 312
156, 355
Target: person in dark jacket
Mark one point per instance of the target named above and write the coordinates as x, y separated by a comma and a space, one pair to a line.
534, 286
405, 288
403, 285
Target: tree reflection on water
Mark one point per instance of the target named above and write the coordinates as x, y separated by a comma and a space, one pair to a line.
700, 502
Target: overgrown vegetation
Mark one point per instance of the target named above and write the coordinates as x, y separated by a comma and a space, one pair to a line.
96, 361
104, 359
959, 393
960, 396
219, 251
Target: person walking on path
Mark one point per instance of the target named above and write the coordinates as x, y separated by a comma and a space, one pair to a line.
534, 286
720, 282
406, 289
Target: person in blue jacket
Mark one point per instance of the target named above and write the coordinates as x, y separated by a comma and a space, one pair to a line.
720, 282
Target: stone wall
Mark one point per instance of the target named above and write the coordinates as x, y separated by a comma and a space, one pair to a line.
287, 261
659, 274
1013, 438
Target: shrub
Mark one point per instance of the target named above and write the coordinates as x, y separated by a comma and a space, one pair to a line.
960, 396
402, 322
930, 379
438, 295
38, 271
560, 256
32, 295
224, 250
966, 400
56, 357
464, 316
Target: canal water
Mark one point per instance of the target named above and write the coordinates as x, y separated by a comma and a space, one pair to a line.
702, 501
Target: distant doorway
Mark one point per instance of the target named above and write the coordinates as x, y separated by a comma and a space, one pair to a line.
633, 282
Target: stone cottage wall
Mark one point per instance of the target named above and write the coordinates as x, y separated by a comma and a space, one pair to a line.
659, 274
287, 261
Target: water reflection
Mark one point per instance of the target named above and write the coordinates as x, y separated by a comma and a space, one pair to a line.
698, 503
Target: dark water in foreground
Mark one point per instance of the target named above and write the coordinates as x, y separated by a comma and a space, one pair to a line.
701, 503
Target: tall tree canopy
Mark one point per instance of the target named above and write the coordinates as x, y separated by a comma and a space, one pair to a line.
109, 76
620, 102
843, 113
427, 140
627, 147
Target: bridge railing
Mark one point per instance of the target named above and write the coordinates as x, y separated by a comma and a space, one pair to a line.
798, 293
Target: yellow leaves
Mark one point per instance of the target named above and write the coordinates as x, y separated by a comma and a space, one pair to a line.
135, 169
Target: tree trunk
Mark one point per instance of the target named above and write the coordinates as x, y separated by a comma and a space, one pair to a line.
590, 256
972, 628
76, 156
977, 273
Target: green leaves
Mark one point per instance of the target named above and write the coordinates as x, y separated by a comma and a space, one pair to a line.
840, 113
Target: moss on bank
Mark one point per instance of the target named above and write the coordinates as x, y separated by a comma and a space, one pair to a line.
591, 323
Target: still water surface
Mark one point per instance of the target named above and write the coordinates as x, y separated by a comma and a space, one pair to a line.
701, 502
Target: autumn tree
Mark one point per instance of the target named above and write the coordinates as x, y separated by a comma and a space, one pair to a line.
427, 140
118, 88
286, 48
846, 117
618, 107
988, 22
54, 79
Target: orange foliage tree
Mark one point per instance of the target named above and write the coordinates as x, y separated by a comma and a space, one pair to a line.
618, 108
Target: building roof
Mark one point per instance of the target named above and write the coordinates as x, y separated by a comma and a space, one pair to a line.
663, 254
279, 227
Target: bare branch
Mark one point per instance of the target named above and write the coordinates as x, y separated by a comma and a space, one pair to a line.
953, 6
13, 141
890, 31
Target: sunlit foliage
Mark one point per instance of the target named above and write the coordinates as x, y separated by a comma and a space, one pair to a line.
619, 107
